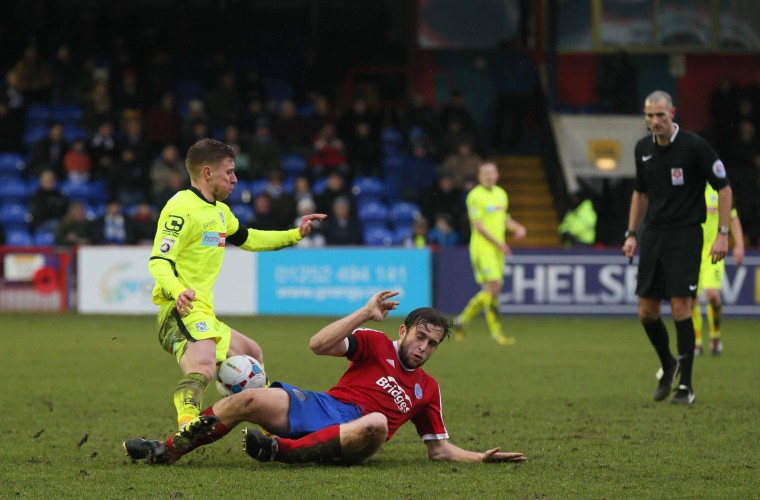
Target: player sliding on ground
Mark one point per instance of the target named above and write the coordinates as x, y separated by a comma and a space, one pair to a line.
383, 388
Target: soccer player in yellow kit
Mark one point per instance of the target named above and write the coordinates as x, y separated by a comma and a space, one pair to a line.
487, 206
711, 274
193, 229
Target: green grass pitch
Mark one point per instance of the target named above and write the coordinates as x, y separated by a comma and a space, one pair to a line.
573, 394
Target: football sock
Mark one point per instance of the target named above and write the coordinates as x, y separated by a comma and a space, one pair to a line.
320, 446
696, 317
714, 317
658, 336
492, 315
218, 432
188, 397
685, 335
474, 306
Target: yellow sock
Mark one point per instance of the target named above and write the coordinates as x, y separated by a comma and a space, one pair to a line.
714, 317
474, 306
696, 318
492, 315
188, 397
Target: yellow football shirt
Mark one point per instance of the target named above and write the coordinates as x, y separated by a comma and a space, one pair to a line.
490, 207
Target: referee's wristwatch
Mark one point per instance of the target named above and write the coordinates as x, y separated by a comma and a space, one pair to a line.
723, 230
630, 233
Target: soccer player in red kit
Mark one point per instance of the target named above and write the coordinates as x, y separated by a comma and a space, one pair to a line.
383, 388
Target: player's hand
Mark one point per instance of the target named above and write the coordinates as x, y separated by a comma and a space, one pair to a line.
307, 221
520, 232
379, 305
185, 302
505, 249
629, 247
494, 455
719, 249
738, 254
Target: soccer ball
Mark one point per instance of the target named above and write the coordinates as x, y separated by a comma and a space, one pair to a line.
237, 373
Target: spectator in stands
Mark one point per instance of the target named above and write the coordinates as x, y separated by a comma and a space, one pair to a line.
256, 114
132, 177
160, 74
283, 203
341, 228
128, 96
445, 198
133, 138
302, 190
264, 217
163, 169
443, 233
451, 137
364, 153
336, 188
243, 167
419, 117
265, 151
199, 130
77, 162
196, 112
328, 153
456, 111
11, 128
75, 228
578, 226
316, 238
461, 165
98, 106
48, 153
143, 222
360, 112
114, 228
319, 116
34, 76
47, 205
288, 127
103, 144
162, 123
67, 78
418, 238
223, 101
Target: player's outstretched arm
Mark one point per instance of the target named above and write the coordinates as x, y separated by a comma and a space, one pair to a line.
441, 450
329, 340
307, 221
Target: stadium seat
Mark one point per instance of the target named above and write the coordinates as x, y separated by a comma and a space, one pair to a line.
14, 216
373, 212
38, 114
18, 238
392, 140
293, 165
73, 133
377, 236
32, 135
402, 233
258, 187
12, 189
98, 192
43, 237
403, 213
241, 194
11, 164
243, 212
68, 114
368, 186
97, 210
76, 191
319, 185
393, 163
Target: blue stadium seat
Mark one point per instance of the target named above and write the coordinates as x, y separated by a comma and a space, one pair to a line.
12, 189
32, 135
241, 194
368, 186
74, 132
403, 213
243, 212
402, 233
68, 114
14, 216
257, 187
96, 210
38, 114
372, 212
293, 165
11, 164
31, 187
43, 237
393, 163
319, 185
378, 236
76, 191
98, 192
18, 238
392, 140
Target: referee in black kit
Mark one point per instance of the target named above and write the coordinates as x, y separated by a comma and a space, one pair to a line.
672, 166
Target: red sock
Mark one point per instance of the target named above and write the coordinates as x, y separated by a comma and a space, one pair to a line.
219, 431
319, 446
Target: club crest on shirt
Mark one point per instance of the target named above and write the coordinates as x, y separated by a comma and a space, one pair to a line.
676, 176
201, 326
166, 245
719, 170
417, 391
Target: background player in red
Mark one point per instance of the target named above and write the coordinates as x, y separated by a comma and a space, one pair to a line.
383, 388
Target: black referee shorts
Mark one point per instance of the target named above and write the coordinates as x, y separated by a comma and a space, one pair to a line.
669, 262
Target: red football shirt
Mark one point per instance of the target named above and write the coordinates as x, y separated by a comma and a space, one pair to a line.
376, 382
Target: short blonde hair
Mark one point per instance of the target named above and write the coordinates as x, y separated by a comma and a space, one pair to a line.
206, 152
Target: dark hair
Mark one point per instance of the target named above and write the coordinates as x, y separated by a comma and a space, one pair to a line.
431, 317
206, 152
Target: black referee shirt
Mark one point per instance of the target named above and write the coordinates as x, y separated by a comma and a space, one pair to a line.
674, 177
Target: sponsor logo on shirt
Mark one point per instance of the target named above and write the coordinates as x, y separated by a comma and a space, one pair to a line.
395, 391
213, 239
166, 244
208, 224
494, 208
676, 176
174, 224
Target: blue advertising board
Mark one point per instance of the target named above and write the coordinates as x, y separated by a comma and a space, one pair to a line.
337, 281
573, 282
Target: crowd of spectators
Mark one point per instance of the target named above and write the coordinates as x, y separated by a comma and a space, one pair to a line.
99, 146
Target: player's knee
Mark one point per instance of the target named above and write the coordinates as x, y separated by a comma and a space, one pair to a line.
375, 428
244, 403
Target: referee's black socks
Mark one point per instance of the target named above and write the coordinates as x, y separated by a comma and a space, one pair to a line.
658, 336
685, 334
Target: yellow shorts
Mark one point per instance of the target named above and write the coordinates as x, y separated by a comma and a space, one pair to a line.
175, 331
487, 266
711, 275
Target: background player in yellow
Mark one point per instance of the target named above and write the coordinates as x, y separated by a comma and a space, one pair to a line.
487, 207
193, 229
711, 274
